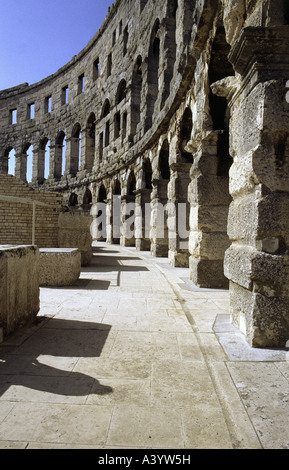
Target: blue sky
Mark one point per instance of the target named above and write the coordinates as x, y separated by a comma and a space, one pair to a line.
37, 37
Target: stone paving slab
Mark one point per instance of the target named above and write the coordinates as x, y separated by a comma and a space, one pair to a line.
134, 356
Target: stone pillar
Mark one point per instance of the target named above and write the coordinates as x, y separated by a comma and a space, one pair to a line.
21, 166
87, 149
55, 162
142, 219
4, 163
128, 221
159, 218
209, 204
178, 214
72, 161
257, 262
38, 165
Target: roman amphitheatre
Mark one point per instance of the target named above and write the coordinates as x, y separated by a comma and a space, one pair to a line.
154, 228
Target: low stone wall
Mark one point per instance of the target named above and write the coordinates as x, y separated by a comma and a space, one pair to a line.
19, 286
59, 266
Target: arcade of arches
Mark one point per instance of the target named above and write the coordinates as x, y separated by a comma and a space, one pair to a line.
170, 132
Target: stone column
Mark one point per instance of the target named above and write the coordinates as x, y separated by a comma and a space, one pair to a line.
209, 204
4, 163
128, 221
178, 214
87, 149
38, 165
257, 262
21, 166
159, 216
142, 219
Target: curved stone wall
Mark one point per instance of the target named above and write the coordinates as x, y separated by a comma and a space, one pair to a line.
177, 107
118, 89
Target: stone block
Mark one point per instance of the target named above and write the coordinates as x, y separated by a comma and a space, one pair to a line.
59, 266
207, 273
19, 286
74, 232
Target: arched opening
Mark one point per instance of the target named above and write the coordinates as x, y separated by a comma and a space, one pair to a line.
136, 88
164, 161
220, 68
121, 92
105, 109
153, 73
131, 184
129, 212
5, 166
87, 199
11, 162
90, 142
73, 200
185, 135
116, 212
101, 229
148, 172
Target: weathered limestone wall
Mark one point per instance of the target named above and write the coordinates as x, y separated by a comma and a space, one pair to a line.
19, 286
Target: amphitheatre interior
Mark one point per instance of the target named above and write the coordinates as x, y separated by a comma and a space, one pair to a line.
168, 132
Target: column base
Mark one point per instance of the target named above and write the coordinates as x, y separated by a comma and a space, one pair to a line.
208, 273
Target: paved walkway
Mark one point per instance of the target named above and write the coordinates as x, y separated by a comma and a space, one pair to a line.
135, 356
